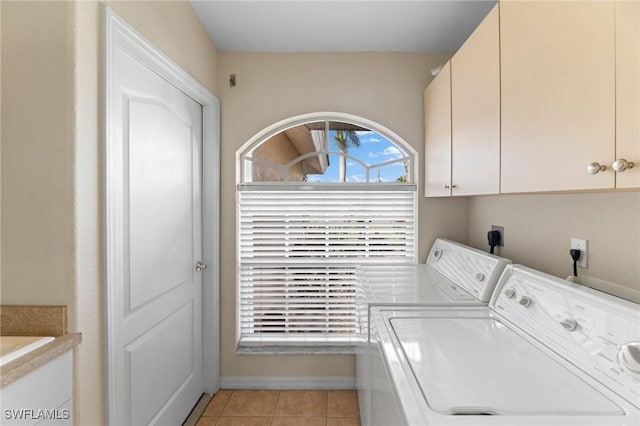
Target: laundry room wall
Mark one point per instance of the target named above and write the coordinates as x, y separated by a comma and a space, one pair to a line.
383, 87
52, 164
539, 228
37, 154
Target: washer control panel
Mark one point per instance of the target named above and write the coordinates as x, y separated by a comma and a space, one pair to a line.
597, 332
475, 271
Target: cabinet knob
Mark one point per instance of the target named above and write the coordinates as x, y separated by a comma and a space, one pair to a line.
621, 165
446, 186
594, 168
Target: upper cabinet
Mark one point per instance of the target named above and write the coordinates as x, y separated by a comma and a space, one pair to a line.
437, 107
544, 96
558, 94
475, 111
628, 92
462, 118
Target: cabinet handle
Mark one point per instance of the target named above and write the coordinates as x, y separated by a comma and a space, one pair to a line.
594, 168
621, 165
446, 186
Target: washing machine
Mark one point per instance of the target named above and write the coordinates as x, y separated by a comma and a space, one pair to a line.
543, 352
453, 275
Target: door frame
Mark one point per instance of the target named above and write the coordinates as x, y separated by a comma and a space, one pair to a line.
119, 35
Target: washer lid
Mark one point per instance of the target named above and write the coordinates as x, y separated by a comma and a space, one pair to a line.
479, 366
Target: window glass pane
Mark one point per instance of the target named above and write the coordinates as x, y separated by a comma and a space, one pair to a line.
394, 172
285, 147
355, 172
265, 172
342, 156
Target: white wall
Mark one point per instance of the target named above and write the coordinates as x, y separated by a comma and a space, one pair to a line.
383, 87
538, 229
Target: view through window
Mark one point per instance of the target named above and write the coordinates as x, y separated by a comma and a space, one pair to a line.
328, 152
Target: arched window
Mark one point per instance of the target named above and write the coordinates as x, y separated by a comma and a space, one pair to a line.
327, 151
318, 195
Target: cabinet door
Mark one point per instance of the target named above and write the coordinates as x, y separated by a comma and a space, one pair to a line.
437, 121
48, 387
628, 91
558, 94
475, 111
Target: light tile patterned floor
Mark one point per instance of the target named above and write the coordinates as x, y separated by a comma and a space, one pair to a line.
282, 408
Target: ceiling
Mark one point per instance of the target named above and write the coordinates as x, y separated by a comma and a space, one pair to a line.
340, 25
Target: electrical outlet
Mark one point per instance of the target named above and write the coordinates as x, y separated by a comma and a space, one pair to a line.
500, 229
583, 246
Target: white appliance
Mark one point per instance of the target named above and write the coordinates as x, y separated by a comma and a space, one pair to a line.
544, 352
454, 275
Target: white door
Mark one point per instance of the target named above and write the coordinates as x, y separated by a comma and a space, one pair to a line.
154, 226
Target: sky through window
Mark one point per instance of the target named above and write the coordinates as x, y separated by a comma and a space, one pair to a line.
374, 149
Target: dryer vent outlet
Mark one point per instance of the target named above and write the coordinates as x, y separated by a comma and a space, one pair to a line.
500, 229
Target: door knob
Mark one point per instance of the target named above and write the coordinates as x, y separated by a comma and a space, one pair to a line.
594, 168
200, 267
621, 165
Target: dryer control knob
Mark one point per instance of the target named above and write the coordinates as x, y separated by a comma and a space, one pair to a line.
437, 254
510, 293
569, 324
480, 276
630, 356
525, 301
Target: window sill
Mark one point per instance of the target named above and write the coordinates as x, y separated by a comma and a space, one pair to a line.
298, 350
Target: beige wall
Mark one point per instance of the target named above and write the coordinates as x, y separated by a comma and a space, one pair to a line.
37, 152
174, 28
0, 152
51, 158
383, 87
539, 227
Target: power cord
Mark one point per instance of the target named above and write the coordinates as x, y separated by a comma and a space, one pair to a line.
575, 255
493, 238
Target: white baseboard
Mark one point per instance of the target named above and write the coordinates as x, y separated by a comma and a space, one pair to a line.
269, 382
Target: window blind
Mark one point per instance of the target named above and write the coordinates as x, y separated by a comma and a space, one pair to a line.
298, 250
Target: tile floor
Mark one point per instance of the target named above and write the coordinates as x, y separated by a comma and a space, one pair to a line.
282, 408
